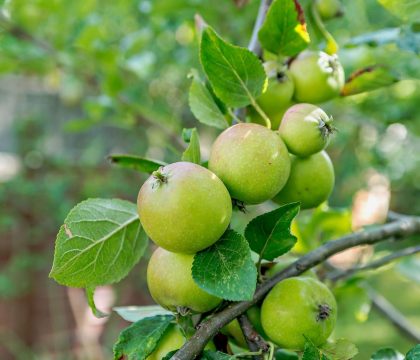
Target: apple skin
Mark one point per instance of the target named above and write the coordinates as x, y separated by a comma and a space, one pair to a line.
172, 286
311, 181
252, 161
171, 340
305, 129
329, 9
187, 212
277, 98
299, 307
317, 76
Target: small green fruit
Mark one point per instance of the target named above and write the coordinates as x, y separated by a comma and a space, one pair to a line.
306, 129
171, 340
311, 181
172, 286
329, 9
234, 330
252, 161
318, 77
297, 308
184, 207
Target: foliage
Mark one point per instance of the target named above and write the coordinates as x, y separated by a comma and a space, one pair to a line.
130, 76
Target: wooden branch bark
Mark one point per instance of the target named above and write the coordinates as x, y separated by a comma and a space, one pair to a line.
344, 274
254, 340
398, 229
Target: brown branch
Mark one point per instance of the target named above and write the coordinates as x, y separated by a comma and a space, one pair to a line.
207, 329
344, 274
253, 339
383, 306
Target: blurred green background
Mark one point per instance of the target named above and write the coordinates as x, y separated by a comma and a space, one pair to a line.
83, 79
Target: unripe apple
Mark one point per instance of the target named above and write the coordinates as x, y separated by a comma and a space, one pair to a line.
305, 129
329, 9
172, 286
277, 97
252, 161
184, 207
171, 340
318, 77
297, 308
311, 181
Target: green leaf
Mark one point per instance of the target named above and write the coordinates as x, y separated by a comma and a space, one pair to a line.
136, 162
310, 351
368, 79
226, 269
215, 355
136, 313
387, 354
235, 73
269, 234
204, 107
99, 243
192, 153
414, 353
284, 29
340, 349
140, 339
90, 292
407, 10
410, 267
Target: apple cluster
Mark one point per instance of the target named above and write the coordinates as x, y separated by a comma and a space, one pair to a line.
184, 207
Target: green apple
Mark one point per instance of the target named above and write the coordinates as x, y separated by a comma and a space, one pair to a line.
306, 129
234, 330
171, 340
329, 9
184, 207
252, 161
172, 286
277, 96
297, 308
311, 181
317, 76
254, 117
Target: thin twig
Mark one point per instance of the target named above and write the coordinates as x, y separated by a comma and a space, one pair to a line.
344, 274
207, 329
382, 305
254, 44
253, 339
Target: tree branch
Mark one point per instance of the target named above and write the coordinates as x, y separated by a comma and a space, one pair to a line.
254, 44
207, 329
383, 306
253, 339
344, 274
